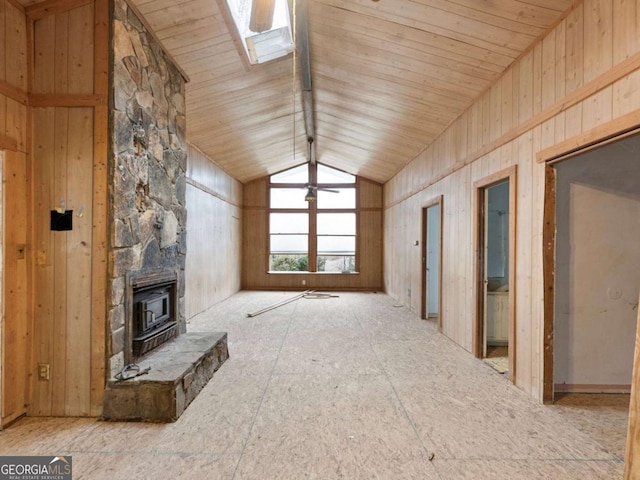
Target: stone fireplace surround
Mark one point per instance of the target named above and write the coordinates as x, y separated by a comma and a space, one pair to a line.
147, 187
148, 175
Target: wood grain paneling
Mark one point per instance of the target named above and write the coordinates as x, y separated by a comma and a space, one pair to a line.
15, 284
214, 235
63, 160
632, 453
580, 83
14, 203
69, 86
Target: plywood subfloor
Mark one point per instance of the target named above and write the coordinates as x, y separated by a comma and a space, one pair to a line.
346, 387
604, 417
498, 358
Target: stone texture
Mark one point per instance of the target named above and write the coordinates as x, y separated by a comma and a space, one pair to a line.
124, 236
179, 371
170, 226
117, 317
124, 260
117, 291
117, 340
148, 231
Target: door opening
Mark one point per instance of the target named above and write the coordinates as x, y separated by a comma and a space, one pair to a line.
495, 316
2, 316
432, 261
597, 214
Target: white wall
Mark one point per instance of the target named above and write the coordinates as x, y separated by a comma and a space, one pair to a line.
597, 267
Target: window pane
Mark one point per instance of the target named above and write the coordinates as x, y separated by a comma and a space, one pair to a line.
289, 263
289, 223
336, 224
285, 244
294, 175
346, 198
288, 198
328, 245
331, 175
337, 263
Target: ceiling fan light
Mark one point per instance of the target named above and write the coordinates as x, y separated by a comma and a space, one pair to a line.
310, 196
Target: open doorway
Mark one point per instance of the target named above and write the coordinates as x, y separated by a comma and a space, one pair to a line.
597, 280
592, 283
2, 313
495, 317
432, 261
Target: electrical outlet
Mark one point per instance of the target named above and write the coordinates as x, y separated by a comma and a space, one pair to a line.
43, 371
409, 292
304, 282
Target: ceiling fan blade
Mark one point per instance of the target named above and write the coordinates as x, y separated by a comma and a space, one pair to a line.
261, 15
328, 190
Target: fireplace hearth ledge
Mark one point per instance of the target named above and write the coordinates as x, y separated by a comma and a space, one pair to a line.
179, 371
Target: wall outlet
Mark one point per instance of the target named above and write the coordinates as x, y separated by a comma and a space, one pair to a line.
409, 293
304, 282
43, 371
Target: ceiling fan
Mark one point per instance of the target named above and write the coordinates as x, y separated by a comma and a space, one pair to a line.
313, 189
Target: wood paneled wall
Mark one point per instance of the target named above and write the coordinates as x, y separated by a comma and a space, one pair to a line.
255, 255
68, 96
214, 234
14, 334
580, 81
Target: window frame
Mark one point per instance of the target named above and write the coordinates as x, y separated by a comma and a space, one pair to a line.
313, 211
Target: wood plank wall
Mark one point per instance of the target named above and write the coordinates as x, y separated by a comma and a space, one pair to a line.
68, 93
14, 142
255, 257
214, 235
580, 78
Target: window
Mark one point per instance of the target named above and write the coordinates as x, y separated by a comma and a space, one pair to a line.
317, 235
264, 28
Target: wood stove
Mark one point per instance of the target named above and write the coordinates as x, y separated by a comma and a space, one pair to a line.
153, 312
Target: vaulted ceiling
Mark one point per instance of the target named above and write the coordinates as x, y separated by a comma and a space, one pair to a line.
388, 77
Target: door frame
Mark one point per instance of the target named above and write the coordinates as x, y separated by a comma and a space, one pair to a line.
480, 186
610, 132
437, 201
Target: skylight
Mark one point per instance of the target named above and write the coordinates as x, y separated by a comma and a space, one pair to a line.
269, 44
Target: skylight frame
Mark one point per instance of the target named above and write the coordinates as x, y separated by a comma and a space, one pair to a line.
262, 47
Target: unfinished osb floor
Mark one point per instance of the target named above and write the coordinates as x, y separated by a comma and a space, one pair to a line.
346, 387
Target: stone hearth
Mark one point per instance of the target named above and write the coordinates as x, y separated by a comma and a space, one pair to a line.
178, 371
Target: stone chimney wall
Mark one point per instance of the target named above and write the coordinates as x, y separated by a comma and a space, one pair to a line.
147, 170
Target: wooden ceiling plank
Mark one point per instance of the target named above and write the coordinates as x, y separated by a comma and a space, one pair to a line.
394, 33
501, 13
436, 21
426, 55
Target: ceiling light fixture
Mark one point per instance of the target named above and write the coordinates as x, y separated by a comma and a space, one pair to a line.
310, 196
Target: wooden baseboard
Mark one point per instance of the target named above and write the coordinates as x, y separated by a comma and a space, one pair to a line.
591, 388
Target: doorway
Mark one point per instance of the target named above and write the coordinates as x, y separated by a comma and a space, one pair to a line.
432, 261
597, 281
2, 315
495, 316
